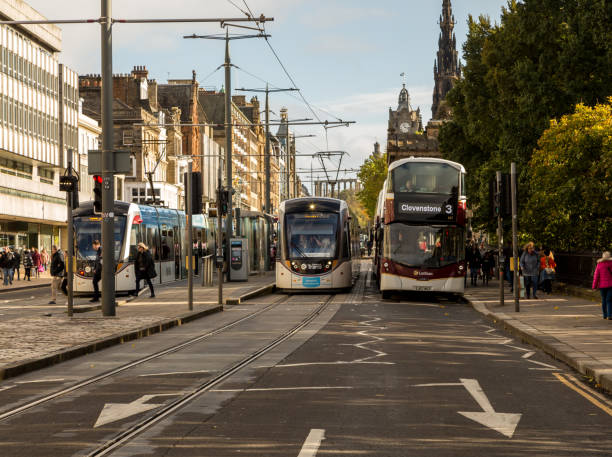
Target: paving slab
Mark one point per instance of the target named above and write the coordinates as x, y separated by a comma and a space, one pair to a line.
36, 341
567, 327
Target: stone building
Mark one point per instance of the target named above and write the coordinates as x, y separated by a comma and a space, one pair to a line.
447, 68
142, 126
32, 208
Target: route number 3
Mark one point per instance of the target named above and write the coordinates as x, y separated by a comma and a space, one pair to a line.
448, 209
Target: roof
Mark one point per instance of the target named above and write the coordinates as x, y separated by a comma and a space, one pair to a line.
179, 95
397, 163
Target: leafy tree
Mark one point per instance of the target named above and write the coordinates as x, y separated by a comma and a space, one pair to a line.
372, 175
543, 58
356, 209
571, 181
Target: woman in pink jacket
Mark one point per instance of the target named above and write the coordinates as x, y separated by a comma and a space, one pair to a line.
602, 280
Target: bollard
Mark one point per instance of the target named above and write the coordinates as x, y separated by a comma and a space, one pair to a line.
207, 271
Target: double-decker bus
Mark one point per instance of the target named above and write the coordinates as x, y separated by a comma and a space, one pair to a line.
420, 227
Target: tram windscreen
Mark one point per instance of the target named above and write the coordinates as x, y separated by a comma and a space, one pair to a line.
423, 246
88, 229
311, 234
425, 178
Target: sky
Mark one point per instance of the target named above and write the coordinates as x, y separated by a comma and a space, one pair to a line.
345, 56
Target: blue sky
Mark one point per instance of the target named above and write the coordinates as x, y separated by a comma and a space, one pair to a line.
345, 55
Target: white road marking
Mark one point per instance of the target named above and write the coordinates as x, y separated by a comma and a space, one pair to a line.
506, 341
439, 384
312, 443
542, 364
339, 362
174, 372
6, 388
518, 348
528, 354
116, 411
491, 330
40, 380
267, 389
504, 423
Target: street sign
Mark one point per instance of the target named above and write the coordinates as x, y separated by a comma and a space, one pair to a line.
122, 162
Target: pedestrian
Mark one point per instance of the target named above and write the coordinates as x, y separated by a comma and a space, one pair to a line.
474, 260
144, 268
530, 265
97, 271
45, 259
602, 280
27, 264
547, 270
12, 262
36, 260
58, 271
17, 263
487, 265
6, 263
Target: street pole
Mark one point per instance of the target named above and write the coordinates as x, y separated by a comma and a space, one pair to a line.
500, 234
189, 208
219, 253
516, 286
70, 228
267, 154
108, 219
228, 151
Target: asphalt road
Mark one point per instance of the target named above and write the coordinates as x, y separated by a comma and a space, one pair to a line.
412, 376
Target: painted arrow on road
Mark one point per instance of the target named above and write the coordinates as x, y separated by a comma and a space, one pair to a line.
504, 423
113, 412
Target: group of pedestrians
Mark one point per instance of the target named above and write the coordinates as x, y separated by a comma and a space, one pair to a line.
480, 263
12, 260
537, 269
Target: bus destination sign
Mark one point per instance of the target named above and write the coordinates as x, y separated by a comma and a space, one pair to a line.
425, 208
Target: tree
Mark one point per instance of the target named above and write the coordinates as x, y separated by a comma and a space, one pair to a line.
570, 178
372, 175
543, 58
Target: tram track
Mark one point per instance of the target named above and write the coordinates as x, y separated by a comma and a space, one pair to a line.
165, 411
103, 376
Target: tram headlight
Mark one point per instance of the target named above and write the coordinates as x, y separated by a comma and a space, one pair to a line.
303, 267
87, 269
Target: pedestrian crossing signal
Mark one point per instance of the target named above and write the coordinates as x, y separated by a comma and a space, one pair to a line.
97, 194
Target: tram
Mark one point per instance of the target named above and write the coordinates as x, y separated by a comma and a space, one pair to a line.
420, 227
315, 245
163, 230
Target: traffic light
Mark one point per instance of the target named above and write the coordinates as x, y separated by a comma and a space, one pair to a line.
196, 191
223, 201
97, 194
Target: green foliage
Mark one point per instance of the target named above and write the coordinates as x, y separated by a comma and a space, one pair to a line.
372, 175
541, 60
571, 181
356, 209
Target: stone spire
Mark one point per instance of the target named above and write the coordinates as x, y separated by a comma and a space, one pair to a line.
447, 69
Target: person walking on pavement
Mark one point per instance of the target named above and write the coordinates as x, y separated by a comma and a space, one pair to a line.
547, 270
58, 271
144, 268
530, 265
97, 271
36, 260
45, 259
474, 260
27, 264
16, 264
602, 280
6, 263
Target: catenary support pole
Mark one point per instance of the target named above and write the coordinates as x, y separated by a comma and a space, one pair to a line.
515, 258
70, 246
268, 208
189, 211
500, 237
228, 151
108, 220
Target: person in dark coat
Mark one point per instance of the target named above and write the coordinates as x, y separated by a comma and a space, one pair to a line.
27, 264
474, 260
58, 271
144, 268
97, 273
17, 263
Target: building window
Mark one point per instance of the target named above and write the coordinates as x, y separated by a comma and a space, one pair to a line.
46, 175
15, 168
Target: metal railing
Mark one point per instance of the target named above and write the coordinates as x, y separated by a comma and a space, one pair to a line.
576, 268
208, 267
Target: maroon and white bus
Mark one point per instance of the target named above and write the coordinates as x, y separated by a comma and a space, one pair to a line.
420, 227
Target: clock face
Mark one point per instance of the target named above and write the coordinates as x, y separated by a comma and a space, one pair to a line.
404, 127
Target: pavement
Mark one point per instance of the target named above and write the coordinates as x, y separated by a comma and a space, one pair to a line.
30, 340
43, 281
568, 328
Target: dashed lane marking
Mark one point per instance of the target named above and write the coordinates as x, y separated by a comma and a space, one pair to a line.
312, 443
277, 389
607, 409
528, 354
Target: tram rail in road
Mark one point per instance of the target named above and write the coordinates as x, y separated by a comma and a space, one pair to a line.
165, 411
26, 406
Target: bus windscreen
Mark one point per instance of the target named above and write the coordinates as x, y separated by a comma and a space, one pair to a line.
425, 178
